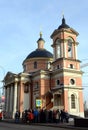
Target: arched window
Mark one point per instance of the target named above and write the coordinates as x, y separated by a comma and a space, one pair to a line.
35, 65
69, 48
73, 105
58, 48
49, 65
24, 67
58, 82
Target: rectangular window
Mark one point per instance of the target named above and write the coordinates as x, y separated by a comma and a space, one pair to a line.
58, 66
36, 86
71, 66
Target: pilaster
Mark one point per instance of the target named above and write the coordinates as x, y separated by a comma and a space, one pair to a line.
15, 99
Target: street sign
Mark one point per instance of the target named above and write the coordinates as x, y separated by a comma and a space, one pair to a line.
38, 102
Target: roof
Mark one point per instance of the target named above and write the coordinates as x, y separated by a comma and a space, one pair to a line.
40, 53
63, 25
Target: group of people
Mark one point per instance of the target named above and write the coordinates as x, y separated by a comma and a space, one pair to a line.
43, 116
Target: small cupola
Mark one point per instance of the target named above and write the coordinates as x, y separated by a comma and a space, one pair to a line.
40, 42
63, 25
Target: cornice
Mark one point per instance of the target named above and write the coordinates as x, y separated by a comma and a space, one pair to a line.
58, 71
80, 88
70, 59
39, 58
70, 30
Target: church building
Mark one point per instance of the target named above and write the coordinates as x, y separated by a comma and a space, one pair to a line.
48, 81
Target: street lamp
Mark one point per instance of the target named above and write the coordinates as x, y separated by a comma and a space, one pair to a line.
2, 81
2, 102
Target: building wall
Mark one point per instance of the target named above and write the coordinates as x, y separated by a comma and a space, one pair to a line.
42, 64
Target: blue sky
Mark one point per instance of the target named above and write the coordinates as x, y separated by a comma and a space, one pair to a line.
20, 23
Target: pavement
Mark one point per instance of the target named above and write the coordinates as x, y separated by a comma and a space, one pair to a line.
69, 125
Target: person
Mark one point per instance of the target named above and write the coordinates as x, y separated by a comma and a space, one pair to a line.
50, 116
23, 117
0, 115
67, 117
17, 116
54, 116
57, 116
35, 112
62, 115
31, 116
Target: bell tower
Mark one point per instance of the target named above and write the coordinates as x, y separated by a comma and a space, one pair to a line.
64, 42
67, 65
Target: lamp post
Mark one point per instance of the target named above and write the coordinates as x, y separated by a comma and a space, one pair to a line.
2, 101
2, 81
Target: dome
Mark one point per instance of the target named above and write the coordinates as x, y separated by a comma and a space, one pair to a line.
40, 53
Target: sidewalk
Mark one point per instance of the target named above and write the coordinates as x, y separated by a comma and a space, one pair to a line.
69, 125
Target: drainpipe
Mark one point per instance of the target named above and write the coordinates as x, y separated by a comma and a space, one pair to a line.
31, 92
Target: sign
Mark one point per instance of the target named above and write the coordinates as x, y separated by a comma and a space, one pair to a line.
38, 102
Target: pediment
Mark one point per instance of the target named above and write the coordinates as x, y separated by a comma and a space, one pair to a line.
57, 90
9, 77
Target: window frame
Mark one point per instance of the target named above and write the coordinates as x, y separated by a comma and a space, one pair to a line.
70, 48
58, 82
58, 47
35, 65
73, 101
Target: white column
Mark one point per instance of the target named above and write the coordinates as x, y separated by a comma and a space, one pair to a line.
7, 101
11, 98
64, 52
15, 99
76, 52
54, 54
26, 101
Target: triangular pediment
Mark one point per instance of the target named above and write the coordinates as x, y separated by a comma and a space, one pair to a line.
9, 77
57, 90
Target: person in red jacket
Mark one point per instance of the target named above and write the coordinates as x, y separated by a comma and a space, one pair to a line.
30, 116
0, 115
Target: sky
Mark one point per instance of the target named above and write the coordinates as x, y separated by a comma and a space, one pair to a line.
21, 22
